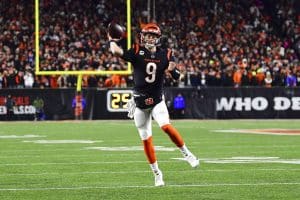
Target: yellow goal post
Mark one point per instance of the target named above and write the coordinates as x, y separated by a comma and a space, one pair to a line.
79, 73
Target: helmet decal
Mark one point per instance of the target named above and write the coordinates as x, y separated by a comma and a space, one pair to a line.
150, 35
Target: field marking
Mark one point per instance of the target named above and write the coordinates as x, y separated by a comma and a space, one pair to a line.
232, 160
147, 186
40, 150
131, 148
62, 141
271, 131
133, 153
20, 136
76, 163
245, 160
147, 171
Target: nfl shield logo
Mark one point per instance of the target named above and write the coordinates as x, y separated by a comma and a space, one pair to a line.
149, 101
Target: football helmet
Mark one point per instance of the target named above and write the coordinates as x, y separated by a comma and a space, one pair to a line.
150, 35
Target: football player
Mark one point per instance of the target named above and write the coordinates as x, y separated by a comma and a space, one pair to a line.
150, 63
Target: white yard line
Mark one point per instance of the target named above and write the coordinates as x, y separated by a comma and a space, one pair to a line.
41, 150
145, 171
76, 163
147, 186
86, 154
230, 160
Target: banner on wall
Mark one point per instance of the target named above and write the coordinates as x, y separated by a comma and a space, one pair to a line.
241, 103
36, 104
18, 105
203, 103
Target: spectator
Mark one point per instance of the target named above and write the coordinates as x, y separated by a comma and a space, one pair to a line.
209, 41
10, 104
291, 80
39, 114
237, 77
123, 83
268, 80
28, 79
179, 106
298, 78
78, 104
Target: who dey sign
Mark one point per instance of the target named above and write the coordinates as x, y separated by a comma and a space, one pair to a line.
257, 103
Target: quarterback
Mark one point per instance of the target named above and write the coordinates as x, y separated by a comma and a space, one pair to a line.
150, 63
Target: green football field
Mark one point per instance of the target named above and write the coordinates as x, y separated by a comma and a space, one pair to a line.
82, 160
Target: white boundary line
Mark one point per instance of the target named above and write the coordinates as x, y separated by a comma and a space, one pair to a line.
145, 171
145, 186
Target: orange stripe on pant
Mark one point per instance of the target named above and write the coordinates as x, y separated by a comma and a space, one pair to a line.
173, 134
149, 150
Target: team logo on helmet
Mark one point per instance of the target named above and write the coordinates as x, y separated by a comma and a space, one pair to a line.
150, 35
151, 28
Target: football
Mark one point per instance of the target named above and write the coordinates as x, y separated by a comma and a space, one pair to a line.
116, 31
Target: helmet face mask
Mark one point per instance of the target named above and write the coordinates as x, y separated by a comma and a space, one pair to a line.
150, 35
150, 40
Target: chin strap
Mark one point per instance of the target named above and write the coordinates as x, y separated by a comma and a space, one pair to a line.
149, 46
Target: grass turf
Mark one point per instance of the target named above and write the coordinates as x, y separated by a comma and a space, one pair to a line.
70, 171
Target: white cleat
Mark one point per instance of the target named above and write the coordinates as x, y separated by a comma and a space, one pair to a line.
158, 179
192, 160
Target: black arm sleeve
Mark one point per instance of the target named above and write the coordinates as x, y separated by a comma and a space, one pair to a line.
122, 43
128, 55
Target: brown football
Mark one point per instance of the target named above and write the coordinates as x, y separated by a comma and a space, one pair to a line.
116, 31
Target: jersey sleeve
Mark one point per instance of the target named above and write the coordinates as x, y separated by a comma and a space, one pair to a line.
129, 54
170, 56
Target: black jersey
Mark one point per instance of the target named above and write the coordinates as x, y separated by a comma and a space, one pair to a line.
148, 73
148, 68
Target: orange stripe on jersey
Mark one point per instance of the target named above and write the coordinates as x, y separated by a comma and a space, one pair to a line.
137, 48
169, 54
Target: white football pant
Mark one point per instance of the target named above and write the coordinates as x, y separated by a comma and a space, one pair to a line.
143, 118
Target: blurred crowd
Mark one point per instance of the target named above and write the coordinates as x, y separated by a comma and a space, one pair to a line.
216, 43
234, 43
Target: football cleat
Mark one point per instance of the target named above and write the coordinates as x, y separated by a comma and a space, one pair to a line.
192, 160
158, 178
